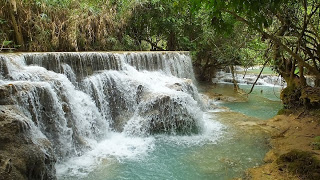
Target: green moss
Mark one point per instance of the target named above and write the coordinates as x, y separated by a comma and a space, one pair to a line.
300, 163
284, 112
316, 143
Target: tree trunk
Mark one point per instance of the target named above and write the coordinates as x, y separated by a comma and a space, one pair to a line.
15, 23
317, 83
303, 81
235, 84
171, 43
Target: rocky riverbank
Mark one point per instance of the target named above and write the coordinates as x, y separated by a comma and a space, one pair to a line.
294, 152
294, 140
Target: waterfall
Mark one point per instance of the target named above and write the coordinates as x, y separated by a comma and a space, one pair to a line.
80, 108
77, 99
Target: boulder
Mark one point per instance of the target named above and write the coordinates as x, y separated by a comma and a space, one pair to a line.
166, 114
21, 157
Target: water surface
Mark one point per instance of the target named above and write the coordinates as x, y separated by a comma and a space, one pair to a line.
222, 151
263, 103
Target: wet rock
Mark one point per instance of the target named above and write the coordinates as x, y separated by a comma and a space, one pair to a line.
36, 102
139, 93
175, 86
21, 157
3, 67
185, 86
165, 114
6, 93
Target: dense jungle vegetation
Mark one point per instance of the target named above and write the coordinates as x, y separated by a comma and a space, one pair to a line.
283, 34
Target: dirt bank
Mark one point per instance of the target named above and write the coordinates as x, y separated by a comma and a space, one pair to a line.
296, 131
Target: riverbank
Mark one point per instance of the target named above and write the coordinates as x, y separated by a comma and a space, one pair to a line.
296, 132
293, 138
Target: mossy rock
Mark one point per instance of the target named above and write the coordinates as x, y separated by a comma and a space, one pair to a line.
310, 96
284, 112
294, 97
316, 143
300, 163
290, 97
317, 139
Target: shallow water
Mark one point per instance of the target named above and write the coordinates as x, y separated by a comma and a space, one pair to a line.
223, 160
222, 151
213, 156
263, 103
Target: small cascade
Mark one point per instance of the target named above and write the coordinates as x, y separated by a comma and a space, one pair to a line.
249, 79
76, 100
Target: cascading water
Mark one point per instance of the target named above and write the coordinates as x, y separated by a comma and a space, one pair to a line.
249, 79
95, 105
263, 102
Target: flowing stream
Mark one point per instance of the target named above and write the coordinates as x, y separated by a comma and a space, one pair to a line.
130, 115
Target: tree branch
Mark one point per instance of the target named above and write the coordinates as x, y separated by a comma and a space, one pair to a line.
264, 64
313, 70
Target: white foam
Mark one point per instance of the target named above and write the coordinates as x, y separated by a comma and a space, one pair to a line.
117, 146
211, 133
121, 147
264, 80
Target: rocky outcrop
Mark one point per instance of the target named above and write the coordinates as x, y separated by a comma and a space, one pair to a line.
165, 114
310, 96
296, 97
20, 156
290, 134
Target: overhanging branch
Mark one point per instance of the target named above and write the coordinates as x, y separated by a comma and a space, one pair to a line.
301, 61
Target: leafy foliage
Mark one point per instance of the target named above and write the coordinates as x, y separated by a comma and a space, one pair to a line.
219, 33
289, 27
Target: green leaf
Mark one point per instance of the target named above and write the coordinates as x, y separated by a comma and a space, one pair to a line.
2, 21
6, 43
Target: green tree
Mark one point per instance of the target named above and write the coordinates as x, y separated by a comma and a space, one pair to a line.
290, 27
164, 25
